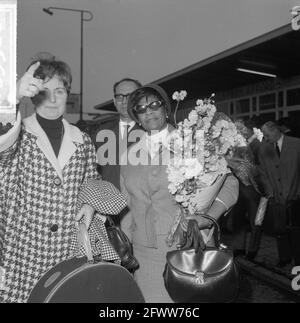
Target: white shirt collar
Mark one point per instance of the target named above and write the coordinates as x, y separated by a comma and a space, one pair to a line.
123, 124
156, 139
280, 142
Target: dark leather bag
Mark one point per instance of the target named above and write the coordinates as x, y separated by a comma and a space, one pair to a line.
208, 276
122, 245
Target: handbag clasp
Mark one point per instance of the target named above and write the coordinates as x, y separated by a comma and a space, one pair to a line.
199, 278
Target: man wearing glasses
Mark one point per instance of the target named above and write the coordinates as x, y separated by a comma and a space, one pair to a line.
119, 130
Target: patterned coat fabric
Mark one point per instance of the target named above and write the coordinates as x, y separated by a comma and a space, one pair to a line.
39, 198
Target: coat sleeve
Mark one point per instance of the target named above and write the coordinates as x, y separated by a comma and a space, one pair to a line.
9, 141
262, 171
91, 164
127, 220
226, 198
103, 196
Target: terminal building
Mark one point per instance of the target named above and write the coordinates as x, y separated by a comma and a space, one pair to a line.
258, 79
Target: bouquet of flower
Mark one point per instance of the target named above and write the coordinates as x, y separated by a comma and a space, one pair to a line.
200, 146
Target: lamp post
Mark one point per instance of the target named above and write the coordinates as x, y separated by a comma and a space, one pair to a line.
82, 19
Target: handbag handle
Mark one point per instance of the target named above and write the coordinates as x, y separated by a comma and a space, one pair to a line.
110, 221
217, 233
113, 225
83, 239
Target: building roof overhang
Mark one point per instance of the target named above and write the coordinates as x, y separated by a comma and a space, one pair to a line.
276, 52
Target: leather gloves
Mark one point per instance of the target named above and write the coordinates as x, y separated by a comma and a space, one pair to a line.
192, 238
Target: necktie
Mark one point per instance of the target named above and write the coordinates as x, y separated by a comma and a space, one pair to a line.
125, 130
277, 149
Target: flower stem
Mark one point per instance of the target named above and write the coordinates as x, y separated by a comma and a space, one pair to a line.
175, 121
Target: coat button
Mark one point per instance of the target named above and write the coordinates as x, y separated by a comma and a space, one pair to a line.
54, 228
57, 181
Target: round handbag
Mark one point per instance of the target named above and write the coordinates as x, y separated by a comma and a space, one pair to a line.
83, 280
208, 276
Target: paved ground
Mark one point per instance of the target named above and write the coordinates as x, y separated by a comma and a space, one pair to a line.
262, 281
253, 290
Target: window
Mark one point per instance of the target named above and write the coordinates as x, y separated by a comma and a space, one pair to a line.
231, 108
254, 105
223, 107
293, 97
280, 99
243, 106
267, 101
264, 117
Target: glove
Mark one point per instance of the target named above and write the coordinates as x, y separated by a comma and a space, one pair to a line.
182, 238
194, 237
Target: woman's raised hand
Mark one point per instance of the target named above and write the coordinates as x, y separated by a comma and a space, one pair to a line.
28, 85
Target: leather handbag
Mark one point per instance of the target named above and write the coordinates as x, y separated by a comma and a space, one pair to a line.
122, 245
208, 276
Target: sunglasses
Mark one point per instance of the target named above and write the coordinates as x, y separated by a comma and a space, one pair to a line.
154, 106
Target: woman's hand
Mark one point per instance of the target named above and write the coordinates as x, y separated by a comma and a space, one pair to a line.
86, 212
194, 236
28, 85
202, 222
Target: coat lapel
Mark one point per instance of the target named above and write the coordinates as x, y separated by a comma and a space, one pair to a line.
286, 152
67, 149
42, 141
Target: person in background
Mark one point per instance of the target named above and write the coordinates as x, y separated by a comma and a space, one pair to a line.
280, 164
111, 139
45, 164
250, 191
152, 207
288, 127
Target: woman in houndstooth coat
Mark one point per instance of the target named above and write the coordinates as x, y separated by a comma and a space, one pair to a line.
45, 164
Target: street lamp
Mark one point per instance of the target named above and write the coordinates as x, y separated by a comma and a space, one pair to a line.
82, 19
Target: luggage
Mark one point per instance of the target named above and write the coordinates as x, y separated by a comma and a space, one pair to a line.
206, 276
77, 280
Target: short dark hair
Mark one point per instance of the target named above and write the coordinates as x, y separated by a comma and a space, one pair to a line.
271, 125
127, 79
47, 70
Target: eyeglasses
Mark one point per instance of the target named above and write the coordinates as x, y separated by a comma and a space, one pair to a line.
154, 106
121, 97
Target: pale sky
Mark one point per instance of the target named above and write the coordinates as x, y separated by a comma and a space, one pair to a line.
142, 39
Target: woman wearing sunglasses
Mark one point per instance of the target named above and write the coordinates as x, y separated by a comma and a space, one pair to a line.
152, 207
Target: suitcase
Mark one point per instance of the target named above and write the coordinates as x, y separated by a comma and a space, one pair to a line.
77, 280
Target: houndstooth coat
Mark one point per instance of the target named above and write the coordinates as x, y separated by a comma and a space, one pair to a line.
39, 198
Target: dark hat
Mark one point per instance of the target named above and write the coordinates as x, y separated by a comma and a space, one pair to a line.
159, 90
